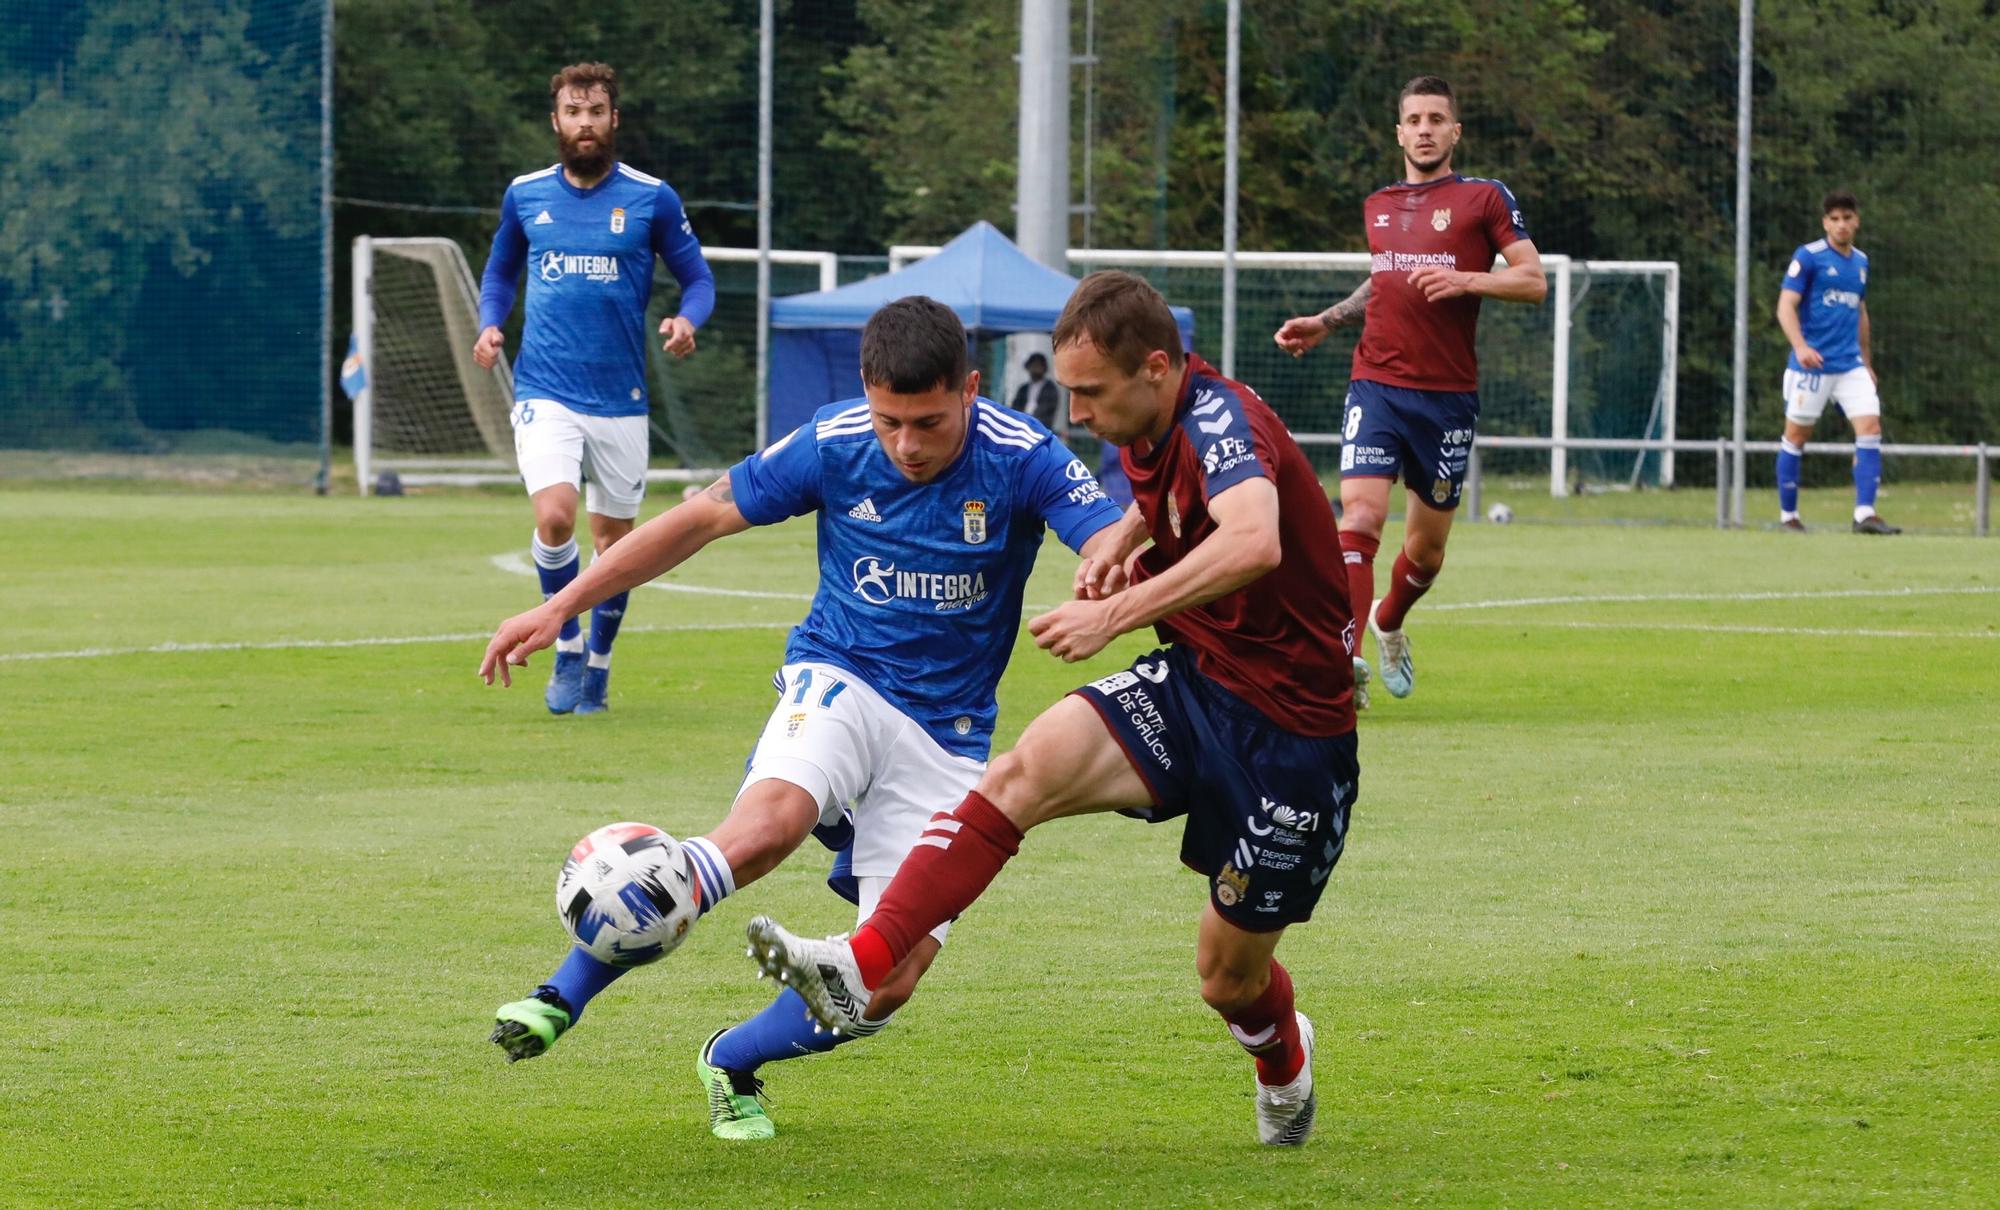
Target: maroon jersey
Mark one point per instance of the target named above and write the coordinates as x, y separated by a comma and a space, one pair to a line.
1285, 641
1458, 222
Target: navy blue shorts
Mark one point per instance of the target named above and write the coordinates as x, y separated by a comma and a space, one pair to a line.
1422, 437
1266, 809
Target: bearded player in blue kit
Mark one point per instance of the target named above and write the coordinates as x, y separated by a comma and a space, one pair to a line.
931, 505
1823, 310
588, 229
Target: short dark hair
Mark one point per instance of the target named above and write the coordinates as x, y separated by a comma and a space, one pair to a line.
1033, 360
1839, 199
1427, 86
1123, 315
584, 76
913, 345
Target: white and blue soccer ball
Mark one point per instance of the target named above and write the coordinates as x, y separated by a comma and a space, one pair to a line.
1499, 514
625, 894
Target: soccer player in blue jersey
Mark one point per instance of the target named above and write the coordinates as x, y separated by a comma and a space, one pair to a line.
931, 506
587, 229
1823, 310
1243, 723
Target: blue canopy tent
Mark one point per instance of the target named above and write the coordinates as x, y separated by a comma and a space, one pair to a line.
993, 286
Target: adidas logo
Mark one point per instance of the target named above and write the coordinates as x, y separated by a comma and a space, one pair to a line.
865, 511
543, 217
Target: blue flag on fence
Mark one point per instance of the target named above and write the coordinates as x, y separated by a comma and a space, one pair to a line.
353, 375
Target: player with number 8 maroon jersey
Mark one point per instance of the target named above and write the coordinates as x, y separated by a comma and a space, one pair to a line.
1413, 402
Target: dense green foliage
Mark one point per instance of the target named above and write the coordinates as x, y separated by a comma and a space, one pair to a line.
160, 158
160, 240
1656, 896
1613, 120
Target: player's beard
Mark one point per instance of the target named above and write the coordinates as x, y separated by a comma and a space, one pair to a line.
590, 164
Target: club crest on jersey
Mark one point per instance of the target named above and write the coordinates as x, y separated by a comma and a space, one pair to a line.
1231, 885
1441, 491
618, 221
975, 521
1440, 219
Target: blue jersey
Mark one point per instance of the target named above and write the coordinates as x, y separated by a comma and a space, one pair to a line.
1830, 289
590, 258
920, 583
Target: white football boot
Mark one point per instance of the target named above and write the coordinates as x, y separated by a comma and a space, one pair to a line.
1361, 675
824, 974
1399, 676
1285, 1113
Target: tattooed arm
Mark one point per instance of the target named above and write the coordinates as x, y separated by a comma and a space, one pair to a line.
1302, 333
1348, 311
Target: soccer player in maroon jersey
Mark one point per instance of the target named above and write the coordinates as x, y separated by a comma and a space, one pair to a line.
1243, 723
1412, 401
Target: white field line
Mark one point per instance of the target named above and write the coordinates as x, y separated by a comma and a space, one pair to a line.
1725, 628
1649, 598
88, 653
518, 565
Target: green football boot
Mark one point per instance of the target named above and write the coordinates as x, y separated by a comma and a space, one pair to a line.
733, 1111
528, 1027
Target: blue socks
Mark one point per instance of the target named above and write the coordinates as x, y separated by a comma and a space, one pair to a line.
1867, 473
557, 566
1790, 457
604, 622
578, 980
784, 1030
712, 876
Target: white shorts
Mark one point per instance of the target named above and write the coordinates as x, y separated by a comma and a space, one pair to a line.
837, 739
1806, 393
557, 445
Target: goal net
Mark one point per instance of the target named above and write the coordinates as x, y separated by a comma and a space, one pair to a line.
1597, 360
1596, 363
428, 406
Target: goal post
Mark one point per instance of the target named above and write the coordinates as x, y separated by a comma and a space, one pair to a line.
426, 405
429, 412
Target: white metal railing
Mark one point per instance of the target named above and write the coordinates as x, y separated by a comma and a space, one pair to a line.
1982, 456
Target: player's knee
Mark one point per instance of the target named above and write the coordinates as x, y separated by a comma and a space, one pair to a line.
554, 525
1362, 517
1011, 786
1425, 552
1228, 991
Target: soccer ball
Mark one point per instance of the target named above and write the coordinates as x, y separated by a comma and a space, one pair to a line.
625, 894
1499, 514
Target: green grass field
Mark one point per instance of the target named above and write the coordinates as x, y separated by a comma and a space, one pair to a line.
1677, 882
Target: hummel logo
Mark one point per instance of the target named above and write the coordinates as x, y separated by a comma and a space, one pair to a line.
865, 511
543, 217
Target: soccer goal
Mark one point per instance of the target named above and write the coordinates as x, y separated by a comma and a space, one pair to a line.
1598, 360
428, 407
429, 413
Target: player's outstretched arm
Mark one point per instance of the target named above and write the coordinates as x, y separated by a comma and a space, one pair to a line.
1244, 546
648, 552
